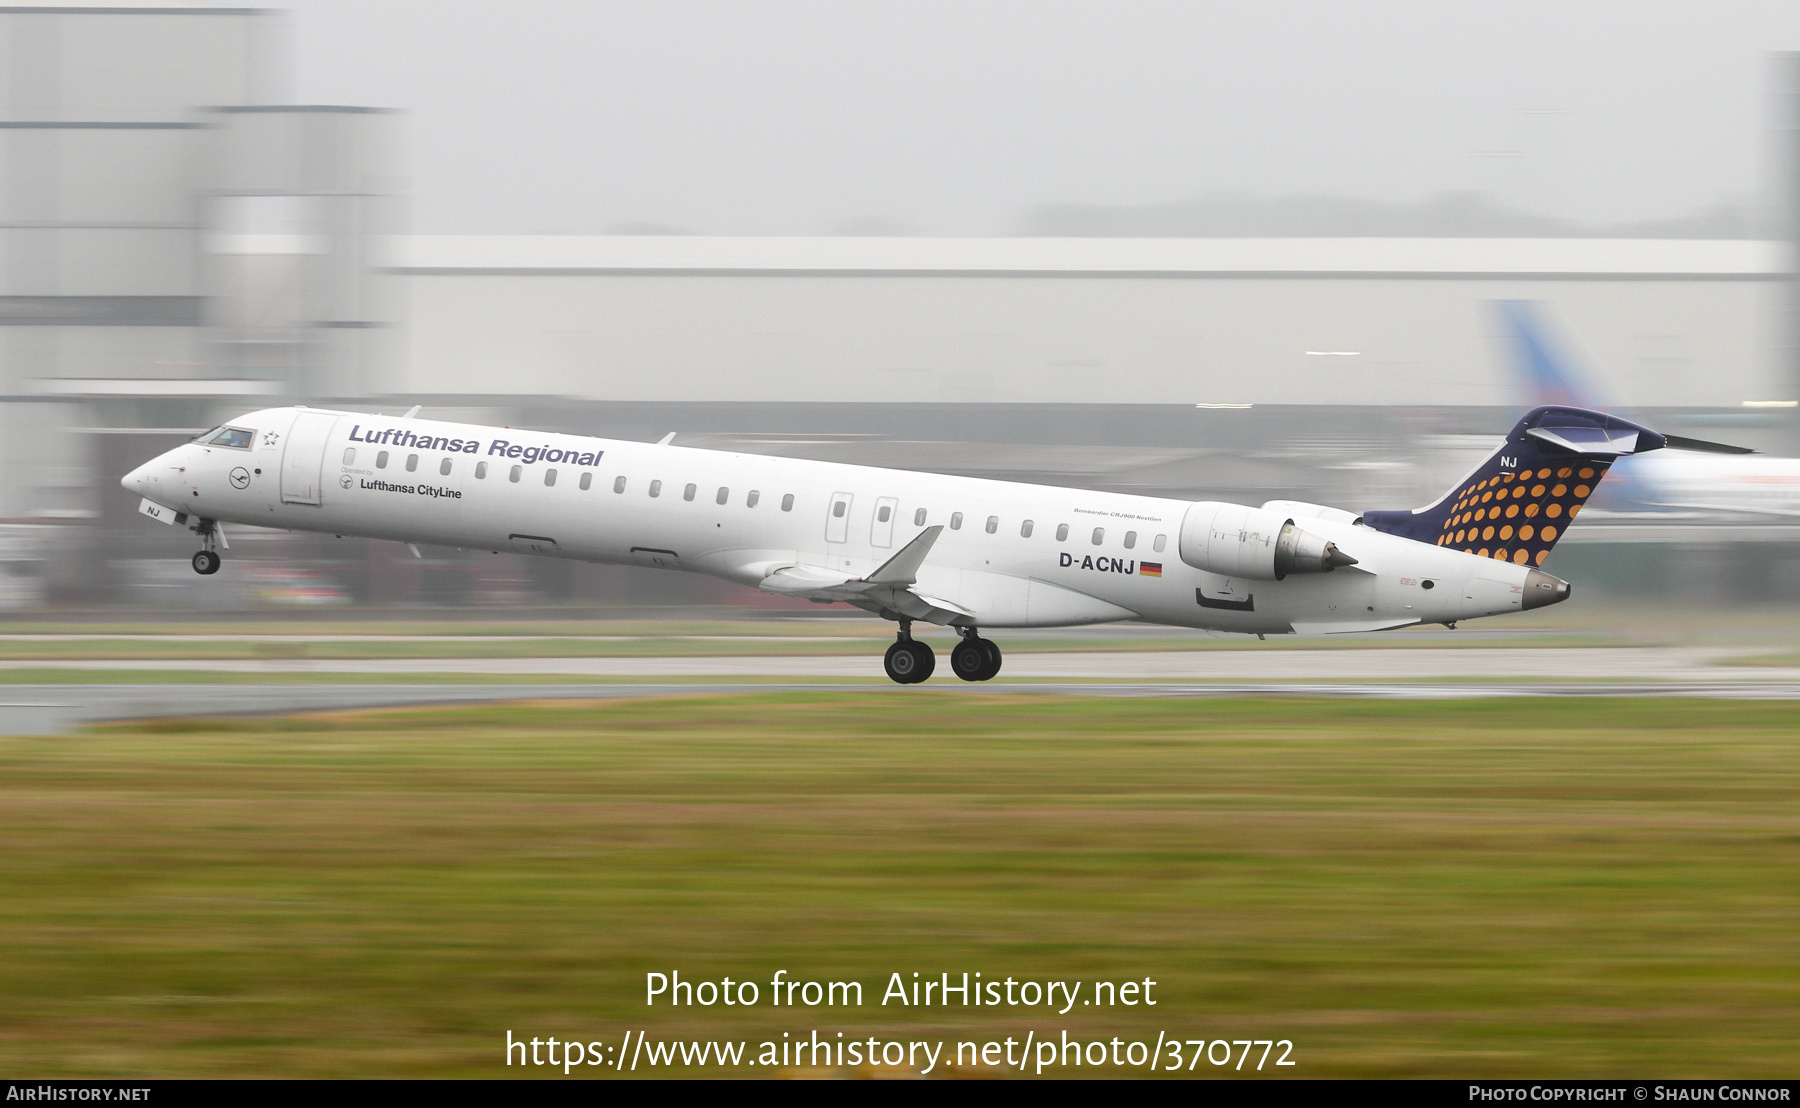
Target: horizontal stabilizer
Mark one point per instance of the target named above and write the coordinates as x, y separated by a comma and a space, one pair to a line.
1681, 442
1598, 441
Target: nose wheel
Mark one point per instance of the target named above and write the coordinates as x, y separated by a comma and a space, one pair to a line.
975, 658
206, 561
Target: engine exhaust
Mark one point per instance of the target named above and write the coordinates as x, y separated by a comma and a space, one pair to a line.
1298, 551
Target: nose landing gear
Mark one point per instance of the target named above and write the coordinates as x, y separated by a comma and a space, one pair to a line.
975, 658
206, 561
909, 661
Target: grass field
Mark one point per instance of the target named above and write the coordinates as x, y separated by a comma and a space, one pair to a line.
1520, 887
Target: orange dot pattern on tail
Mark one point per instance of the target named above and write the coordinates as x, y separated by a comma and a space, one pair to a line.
1549, 492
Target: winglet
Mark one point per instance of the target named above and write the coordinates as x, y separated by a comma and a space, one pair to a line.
903, 568
666, 439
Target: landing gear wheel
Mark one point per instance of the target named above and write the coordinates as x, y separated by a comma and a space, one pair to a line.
969, 659
992, 669
908, 663
206, 562
927, 660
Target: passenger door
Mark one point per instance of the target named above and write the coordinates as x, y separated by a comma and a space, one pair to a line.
837, 518
303, 458
881, 532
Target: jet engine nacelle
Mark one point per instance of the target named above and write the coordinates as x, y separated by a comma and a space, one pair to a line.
1235, 540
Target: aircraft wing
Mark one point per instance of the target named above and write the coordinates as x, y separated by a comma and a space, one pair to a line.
887, 591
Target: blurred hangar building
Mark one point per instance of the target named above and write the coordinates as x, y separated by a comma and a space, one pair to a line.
182, 243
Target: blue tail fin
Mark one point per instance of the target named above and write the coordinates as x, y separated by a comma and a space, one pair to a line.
1547, 376
1516, 503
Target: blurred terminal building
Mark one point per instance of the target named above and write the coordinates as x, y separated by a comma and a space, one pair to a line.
181, 244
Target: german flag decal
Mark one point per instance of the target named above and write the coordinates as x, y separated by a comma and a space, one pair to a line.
1149, 569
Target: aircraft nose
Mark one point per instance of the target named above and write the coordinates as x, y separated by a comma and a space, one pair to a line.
142, 479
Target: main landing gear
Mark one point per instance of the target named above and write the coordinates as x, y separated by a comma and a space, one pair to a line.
974, 658
206, 561
909, 661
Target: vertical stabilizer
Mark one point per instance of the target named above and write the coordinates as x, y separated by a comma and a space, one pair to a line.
1516, 504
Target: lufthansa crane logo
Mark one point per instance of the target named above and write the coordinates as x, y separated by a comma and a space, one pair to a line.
346, 481
240, 478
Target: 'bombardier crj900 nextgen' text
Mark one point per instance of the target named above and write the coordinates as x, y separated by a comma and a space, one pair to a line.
964, 553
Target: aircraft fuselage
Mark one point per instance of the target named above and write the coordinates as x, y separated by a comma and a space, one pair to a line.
1009, 555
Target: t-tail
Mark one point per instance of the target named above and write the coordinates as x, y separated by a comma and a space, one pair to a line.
1518, 502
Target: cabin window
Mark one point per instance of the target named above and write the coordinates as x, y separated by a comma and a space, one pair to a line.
955, 521
381, 460
724, 495
1099, 535
1130, 539
1161, 541
444, 468
919, 518
751, 497
349, 455
480, 471
549, 478
517, 471
885, 513
838, 509
412, 463
787, 502
656, 488
587, 481
618, 484
1062, 532
688, 493
993, 524
1025, 529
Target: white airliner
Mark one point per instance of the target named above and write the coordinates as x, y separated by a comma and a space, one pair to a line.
959, 552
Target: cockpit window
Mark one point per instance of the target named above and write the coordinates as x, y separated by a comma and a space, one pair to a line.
206, 436
235, 437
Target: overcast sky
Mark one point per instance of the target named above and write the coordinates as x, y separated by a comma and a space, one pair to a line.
958, 117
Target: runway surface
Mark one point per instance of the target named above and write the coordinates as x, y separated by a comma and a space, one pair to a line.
1650, 663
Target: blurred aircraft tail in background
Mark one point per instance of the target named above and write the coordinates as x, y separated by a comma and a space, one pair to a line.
1545, 374
1668, 482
